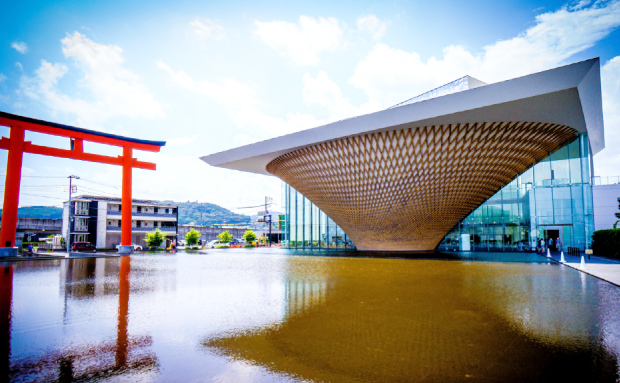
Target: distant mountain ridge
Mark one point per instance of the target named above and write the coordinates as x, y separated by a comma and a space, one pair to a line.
196, 213
47, 212
203, 213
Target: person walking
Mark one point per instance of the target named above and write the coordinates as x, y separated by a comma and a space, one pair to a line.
558, 244
550, 243
541, 243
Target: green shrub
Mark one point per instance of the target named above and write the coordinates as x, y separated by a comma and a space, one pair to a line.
225, 237
192, 237
222, 247
249, 236
606, 243
249, 246
154, 239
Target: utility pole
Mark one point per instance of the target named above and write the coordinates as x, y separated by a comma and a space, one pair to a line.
69, 213
268, 201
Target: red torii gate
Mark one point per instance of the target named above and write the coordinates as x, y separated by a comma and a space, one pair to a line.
16, 146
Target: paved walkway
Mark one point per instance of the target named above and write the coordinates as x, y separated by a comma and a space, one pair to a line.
603, 268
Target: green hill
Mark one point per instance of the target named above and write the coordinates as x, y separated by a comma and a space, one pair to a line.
49, 212
196, 212
206, 214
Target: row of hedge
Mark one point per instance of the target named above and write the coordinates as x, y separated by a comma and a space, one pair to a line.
606, 243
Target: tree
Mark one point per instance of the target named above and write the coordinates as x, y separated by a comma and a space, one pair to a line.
262, 239
155, 238
225, 237
192, 237
249, 236
617, 215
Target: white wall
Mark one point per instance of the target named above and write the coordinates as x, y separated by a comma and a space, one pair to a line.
605, 205
101, 224
65, 219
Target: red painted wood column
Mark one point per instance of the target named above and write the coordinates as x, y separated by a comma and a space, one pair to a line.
126, 197
11, 187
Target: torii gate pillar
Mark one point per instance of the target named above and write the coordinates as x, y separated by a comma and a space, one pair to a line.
11, 193
126, 205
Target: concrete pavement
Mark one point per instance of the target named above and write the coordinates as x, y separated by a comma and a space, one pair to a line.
604, 268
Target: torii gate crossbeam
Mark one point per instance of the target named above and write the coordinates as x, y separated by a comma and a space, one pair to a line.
17, 146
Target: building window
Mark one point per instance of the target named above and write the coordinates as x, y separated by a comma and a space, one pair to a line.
81, 208
80, 224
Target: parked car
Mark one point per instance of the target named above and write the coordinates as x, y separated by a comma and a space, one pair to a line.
83, 246
212, 244
135, 247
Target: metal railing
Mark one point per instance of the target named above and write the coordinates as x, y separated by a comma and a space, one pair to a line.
164, 229
612, 180
138, 214
39, 227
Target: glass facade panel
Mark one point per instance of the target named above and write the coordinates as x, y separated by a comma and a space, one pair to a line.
551, 199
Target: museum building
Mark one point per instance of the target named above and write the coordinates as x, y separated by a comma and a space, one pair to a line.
494, 165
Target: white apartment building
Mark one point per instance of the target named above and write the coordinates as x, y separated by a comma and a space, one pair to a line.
97, 219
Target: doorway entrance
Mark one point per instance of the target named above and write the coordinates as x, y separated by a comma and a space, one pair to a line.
553, 232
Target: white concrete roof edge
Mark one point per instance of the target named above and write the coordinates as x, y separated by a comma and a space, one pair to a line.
584, 77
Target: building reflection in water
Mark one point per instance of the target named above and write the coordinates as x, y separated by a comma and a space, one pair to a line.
306, 287
81, 279
397, 320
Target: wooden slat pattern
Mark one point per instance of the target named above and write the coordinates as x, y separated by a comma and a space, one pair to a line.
403, 190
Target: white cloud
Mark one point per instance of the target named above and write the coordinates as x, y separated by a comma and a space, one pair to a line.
606, 162
555, 37
115, 90
2, 77
303, 42
181, 141
389, 75
371, 24
207, 29
229, 92
241, 101
20, 46
322, 91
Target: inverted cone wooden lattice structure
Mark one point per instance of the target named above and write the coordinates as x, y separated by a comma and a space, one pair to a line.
404, 189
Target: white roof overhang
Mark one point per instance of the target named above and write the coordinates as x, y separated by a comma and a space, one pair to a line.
569, 95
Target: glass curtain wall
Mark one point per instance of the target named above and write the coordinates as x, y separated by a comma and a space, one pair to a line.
307, 227
553, 199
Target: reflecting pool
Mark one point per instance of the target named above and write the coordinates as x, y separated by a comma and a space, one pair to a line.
265, 315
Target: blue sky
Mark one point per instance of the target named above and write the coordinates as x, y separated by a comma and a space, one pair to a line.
208, 76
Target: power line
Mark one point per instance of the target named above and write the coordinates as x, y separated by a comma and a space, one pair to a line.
42, 196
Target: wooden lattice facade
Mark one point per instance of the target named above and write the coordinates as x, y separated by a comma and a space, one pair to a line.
404, 189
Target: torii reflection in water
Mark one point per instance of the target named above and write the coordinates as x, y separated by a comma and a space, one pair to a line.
108, 358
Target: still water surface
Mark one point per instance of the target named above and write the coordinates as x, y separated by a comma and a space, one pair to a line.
261, 315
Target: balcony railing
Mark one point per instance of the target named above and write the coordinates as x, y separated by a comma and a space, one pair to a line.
164, 229
138, 214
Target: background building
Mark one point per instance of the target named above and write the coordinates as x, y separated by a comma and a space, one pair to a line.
605, 191
97, 219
